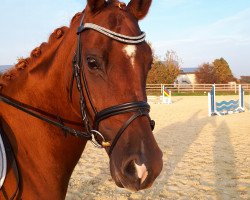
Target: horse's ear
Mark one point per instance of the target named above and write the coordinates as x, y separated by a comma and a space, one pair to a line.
96, 5
139, 8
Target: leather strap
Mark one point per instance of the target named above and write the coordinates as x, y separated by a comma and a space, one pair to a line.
139, 113
119, 109
69, 130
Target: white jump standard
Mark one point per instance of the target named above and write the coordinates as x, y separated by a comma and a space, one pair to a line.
225, 107
166, 95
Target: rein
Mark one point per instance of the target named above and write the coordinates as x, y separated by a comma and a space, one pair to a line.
139, 108
20, 106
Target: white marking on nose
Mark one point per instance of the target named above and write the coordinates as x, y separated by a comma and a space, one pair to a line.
130, 51
142, 172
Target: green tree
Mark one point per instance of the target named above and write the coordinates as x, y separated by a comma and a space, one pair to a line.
223, 73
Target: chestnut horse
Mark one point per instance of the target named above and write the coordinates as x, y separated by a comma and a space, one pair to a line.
49, 109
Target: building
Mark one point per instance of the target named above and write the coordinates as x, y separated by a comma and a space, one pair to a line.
186, 76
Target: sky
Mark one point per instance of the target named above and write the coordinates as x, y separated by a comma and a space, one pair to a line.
199, 31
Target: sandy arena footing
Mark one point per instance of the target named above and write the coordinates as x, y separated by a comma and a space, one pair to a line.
204, 157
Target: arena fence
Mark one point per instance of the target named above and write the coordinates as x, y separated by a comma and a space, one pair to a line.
193, 88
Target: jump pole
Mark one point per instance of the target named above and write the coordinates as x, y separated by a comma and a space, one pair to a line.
212, 102
241, 97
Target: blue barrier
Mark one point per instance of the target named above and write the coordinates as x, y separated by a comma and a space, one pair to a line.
225, 107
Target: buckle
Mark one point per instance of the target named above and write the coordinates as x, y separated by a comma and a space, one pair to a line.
102, 144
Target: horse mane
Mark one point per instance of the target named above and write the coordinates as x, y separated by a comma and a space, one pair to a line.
26, 64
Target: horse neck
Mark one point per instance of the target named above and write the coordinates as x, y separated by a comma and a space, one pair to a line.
45, 86
44, 83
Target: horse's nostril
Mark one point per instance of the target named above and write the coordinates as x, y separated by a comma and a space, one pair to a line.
130, 169
136, 172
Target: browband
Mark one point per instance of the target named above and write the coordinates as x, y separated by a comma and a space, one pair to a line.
116, 36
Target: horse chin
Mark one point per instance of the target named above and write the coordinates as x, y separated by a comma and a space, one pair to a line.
115, 177
118, 182
129, 187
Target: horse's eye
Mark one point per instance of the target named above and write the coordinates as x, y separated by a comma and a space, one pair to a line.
92, 63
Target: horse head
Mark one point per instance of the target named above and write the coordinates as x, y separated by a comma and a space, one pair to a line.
115, 59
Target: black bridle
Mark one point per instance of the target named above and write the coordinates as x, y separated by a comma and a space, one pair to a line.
139, 108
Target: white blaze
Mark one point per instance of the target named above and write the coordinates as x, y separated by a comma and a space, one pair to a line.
142, 172
130, 51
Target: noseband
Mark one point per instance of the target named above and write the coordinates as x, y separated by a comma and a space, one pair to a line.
139, 108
